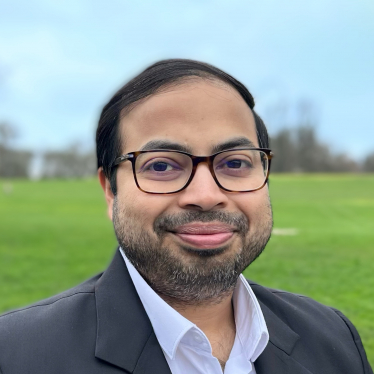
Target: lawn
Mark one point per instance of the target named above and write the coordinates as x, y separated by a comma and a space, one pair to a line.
55, 234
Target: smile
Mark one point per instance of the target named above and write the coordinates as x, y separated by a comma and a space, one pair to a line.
205, 236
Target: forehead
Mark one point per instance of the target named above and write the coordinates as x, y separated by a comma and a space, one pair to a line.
196, 114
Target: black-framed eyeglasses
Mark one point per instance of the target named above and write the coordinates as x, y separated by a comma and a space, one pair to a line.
168, 171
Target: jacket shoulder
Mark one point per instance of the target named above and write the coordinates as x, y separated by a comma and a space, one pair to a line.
48, 328
87, 287
322, 330
300, 312
278, 300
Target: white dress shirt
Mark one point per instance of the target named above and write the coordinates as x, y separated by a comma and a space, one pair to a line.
186, 347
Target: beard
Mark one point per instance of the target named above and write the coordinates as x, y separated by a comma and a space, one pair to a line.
201, 277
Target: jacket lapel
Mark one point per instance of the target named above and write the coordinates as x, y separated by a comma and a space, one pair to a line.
152, 359
276, 358
125, 336
273, 360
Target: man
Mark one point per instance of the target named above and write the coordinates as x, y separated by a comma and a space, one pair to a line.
183, 161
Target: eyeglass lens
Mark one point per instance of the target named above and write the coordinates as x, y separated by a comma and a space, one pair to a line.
235, 170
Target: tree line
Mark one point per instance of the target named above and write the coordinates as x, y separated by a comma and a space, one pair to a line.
299, 150
71, 162
296, 150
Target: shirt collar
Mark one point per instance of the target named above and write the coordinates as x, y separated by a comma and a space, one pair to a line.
250, 323
170, 326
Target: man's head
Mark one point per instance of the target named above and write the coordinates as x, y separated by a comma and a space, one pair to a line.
192, 245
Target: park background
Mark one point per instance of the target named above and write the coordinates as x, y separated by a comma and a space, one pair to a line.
310, 69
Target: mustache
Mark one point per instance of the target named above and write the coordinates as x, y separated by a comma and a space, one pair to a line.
170, 222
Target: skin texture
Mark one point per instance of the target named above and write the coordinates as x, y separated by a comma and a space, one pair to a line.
200, 115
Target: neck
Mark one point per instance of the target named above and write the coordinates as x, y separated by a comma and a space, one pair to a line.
216, 320
208, 316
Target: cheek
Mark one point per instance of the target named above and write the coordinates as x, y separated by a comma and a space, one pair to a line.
255, 205
142, 208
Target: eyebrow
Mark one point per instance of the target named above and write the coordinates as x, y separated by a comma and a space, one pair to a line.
240, 141
168, 145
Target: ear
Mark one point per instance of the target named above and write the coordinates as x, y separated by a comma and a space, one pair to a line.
109, 197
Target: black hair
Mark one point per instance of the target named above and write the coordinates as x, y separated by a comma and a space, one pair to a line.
151, 80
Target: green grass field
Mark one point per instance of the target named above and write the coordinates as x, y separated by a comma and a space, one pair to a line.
55, 234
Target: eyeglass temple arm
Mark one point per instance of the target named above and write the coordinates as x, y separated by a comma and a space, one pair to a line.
122, 158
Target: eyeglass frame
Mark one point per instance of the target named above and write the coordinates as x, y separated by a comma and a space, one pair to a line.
196, 160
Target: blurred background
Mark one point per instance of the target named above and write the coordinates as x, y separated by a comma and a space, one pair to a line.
309, 66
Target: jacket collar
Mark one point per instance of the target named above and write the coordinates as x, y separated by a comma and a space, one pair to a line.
280, 334
277, 356
125, 337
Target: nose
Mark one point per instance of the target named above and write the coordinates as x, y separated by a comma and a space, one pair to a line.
203, 193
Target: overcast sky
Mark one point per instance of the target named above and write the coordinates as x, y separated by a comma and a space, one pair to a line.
61, 61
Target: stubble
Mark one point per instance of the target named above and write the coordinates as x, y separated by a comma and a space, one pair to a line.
190, 277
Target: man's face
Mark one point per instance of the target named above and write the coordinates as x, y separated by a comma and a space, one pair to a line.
190, 246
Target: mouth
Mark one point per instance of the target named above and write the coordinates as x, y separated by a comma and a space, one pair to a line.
205, 235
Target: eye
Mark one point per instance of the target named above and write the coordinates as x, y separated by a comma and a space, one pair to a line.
234, 164
161, 169
160, 166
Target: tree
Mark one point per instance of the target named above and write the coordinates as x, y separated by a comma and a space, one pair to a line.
299, 150
297, 147
368, 165
69, 163
13, 163
283, 146
7, 133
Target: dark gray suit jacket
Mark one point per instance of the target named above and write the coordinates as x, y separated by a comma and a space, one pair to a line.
100, 327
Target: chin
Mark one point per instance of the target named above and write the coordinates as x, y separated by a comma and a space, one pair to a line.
205, 252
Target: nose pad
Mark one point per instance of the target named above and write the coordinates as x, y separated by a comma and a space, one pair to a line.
203, 192
203, 174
